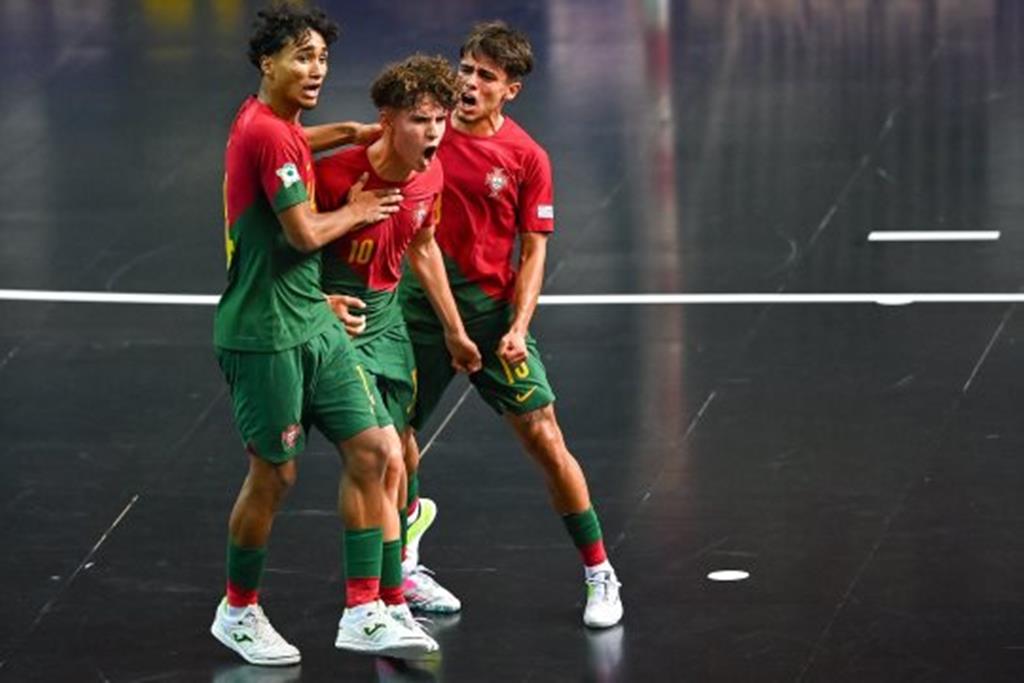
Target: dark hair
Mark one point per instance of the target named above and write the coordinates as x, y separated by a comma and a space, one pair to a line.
505, 46
282, 21
401, 85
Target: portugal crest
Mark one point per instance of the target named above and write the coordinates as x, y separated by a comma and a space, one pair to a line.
420, 214
496, 180
290, 436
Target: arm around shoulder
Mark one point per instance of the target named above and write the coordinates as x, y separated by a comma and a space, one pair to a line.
308, 231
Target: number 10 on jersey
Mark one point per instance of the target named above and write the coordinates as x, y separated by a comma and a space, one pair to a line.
361, 251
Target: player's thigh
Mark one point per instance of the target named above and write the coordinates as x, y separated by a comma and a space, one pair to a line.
267, 392
344, 400
433, 375
513, 389
394, 364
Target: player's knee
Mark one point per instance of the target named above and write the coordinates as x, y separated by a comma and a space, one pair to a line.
410, 450
374, 458
278, 478
287, 474
540, 433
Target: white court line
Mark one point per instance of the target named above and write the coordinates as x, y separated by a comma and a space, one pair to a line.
109, 297
886, 299
932, 235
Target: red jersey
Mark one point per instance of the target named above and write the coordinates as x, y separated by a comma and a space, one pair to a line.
368, 262
495, 188
273, 299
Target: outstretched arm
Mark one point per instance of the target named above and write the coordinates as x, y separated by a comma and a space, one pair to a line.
331, 135
428, 266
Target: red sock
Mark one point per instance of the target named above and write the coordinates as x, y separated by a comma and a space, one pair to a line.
361, 591
392, 595
593, 553
241, 597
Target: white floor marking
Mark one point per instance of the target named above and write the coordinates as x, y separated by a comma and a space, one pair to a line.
883, 298
933, 235
729, 575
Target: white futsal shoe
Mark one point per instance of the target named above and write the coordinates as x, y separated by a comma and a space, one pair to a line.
425, 594
403, 615
604, 604
370, 629
253, 637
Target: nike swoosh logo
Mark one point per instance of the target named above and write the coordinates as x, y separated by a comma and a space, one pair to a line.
370, 631
521, 398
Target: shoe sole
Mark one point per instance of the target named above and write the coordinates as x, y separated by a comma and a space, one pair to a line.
227, 642
602, 624
397, 651
433, 610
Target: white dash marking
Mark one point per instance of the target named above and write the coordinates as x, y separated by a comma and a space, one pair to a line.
933, 235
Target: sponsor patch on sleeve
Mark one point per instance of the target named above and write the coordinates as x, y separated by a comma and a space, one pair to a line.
545, 211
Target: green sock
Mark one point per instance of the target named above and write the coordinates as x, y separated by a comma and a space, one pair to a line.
245, 570
583, 527
391, 565
363, 553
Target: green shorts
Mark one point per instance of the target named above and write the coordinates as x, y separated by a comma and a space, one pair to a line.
278, 396
388, 358
507, 389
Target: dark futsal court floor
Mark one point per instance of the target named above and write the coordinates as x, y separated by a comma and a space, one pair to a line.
861, 462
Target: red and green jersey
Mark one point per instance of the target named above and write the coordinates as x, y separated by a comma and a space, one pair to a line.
273, 299
495, 188
367, 263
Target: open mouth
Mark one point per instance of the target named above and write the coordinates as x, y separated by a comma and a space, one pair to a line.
467, 99
311, 90
429, 152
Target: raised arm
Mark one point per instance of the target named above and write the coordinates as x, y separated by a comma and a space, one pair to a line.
331, 135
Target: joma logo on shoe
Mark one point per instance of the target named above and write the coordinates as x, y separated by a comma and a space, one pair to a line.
241, 637
370, 631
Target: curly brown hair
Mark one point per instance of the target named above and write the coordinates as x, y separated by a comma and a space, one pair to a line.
505, 46
402, 84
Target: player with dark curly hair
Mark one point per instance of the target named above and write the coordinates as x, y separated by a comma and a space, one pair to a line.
288, 361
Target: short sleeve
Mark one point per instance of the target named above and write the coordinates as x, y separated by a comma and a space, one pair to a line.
279, 159
536, 195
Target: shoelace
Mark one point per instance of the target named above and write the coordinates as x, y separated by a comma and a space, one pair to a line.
603, 584
427, 575
264, 630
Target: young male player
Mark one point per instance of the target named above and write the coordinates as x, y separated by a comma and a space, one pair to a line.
287, 360
414, 98
498, 190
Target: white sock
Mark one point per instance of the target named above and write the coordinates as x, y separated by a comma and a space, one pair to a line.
236, 612
360, 611
605, 566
